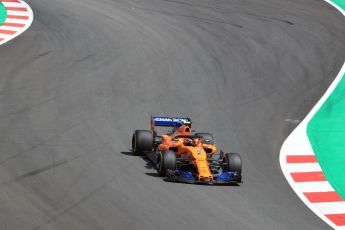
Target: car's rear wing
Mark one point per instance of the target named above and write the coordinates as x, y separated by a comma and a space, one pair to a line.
169, 121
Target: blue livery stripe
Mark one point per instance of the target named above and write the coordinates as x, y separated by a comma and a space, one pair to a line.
171, 121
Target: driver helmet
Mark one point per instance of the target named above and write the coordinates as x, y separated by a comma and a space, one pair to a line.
185, 130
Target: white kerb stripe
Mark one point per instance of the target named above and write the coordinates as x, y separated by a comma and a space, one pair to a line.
12, 20
10, 28
331, 207
20, 13
5, 36
303, 167
13, 4
319, 186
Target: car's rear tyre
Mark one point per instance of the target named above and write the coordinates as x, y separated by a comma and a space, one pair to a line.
232, 163
142, 141
206, 138
166, 161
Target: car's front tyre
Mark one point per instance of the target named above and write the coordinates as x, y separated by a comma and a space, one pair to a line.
166, 161
232, 163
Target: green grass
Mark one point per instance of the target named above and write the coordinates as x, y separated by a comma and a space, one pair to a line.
3, 13
340, 3
326, 132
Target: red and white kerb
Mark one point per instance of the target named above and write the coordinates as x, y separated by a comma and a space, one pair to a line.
304, 174
19, 18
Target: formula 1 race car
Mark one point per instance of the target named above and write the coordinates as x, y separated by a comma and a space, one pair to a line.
185, 156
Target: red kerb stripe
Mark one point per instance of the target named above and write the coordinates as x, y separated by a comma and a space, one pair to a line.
301, 159
13, 24
9, 1
319, 197
18, 17
23, 9
308, 176
10, 32
337, 219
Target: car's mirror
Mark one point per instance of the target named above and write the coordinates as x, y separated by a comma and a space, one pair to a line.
221, 154
157, 140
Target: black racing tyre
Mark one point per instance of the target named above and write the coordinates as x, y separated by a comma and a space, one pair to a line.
166, 161
206, 138
232, 163
142, 141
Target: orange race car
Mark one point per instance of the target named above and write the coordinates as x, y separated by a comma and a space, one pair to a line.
185, 156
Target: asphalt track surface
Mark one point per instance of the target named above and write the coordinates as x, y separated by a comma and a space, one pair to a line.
87, 73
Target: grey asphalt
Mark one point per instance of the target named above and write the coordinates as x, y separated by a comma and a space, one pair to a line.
87, 73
